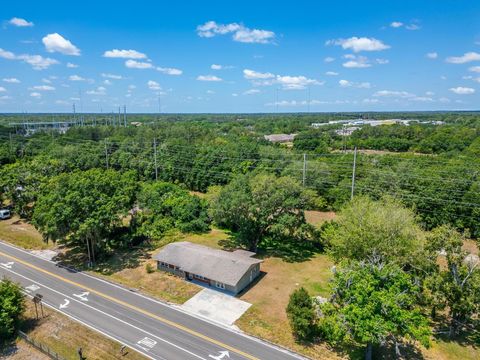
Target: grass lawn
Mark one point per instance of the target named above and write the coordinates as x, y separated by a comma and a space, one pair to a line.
65, 336
21, 233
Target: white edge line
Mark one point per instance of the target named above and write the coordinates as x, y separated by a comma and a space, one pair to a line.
121, 342
167, 305
109, 315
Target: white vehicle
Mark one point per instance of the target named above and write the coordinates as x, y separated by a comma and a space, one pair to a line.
5, 214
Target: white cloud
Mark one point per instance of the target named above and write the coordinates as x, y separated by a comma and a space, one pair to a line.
393, 93
396, 24
112, 76
124, 54
153, 85
57, 43
460, 90
296, 82
5, 97
43, 88
107, 82
36, 95
356, 62
255, 75
362, 85
2, 89
239, 31
412, 26
432, 55
251, 92
46, 81
216, 67
382, 61
357, 44
170, 71
209, 78
331, 73
76, 78
254, 36
11, 80
465, 58
7, 54
132, 64
20, 22
72, 66
98, 91
37, 62
329, 59
474, 69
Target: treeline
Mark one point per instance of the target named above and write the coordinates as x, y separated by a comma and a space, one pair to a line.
425, 138
442, 189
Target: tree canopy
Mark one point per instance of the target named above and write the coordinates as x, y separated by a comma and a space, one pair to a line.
372, 303
383, 228
262, 206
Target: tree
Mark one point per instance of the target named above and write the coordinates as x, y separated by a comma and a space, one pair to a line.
301, 314
263, 206
164, 206
383, 228
454, 286
12, 306
372, 303
85, 208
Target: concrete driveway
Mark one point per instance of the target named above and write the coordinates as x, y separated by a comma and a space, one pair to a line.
216, 306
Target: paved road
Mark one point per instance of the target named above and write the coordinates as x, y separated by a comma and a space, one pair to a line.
155, 329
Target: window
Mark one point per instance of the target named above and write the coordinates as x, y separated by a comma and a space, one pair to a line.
200, 277
219, 285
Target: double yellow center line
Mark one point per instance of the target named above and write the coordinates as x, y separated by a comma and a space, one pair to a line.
133, 307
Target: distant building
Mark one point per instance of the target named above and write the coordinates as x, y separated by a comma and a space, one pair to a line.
280, 138
347, 131
224, 270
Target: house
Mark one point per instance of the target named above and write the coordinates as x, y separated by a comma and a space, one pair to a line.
224, 270
280, 138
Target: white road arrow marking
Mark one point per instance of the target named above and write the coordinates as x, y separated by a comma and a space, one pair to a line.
146, 343
63, 306
8, 265
82, 296
221, 356
32, 288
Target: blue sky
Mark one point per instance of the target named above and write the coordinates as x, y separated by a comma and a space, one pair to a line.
248, 56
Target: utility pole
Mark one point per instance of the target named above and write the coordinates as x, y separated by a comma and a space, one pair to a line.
353, 171
304, 169
125, 115
106, 153
155, 157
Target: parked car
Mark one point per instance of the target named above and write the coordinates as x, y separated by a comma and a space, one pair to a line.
5, 214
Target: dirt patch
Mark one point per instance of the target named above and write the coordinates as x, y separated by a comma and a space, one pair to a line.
317, 218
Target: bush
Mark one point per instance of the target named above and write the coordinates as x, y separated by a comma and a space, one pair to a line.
149, 268
12, 306
301, 314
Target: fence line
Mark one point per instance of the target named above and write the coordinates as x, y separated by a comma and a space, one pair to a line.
39, 346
